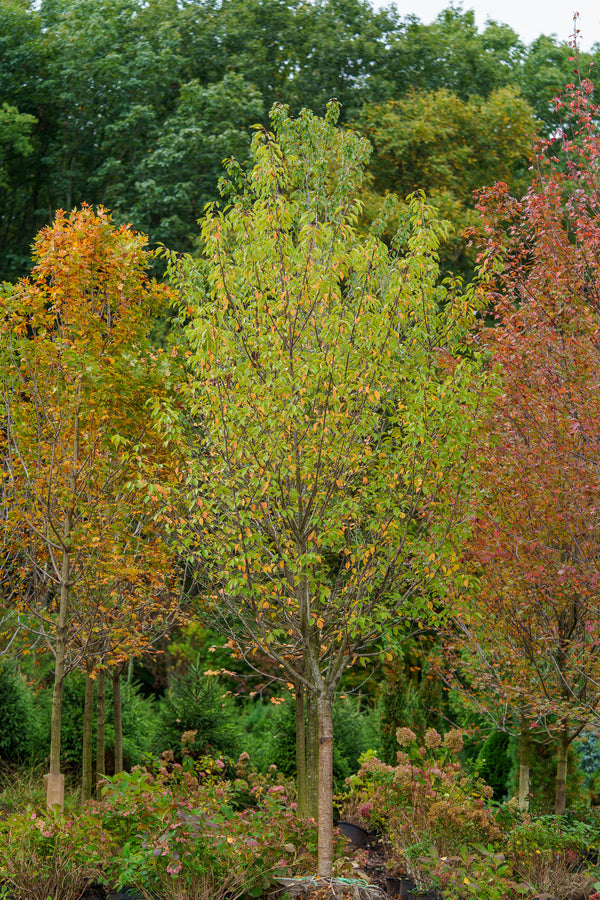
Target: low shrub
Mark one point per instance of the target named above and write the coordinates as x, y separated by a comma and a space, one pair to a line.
442, 829
181, 834
425, 799
481, 875
174, 830
549, 852
51, 855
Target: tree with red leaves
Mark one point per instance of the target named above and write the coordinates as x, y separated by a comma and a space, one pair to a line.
536, 526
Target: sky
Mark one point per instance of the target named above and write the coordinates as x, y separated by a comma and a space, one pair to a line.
529, 18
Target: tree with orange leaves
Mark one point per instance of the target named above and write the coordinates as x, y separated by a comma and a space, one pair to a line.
82, 443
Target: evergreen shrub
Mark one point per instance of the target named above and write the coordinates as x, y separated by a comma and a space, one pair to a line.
494, 764
18, 720
355, 733
199, 704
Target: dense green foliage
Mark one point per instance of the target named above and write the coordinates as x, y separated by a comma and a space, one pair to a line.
198, 709
25, 722
18, 719
135, 105
355, 732
494, 763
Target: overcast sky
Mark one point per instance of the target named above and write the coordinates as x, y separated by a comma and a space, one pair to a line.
529, 18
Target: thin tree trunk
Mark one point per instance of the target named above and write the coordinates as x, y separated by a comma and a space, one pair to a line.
310, 669
524, 760
100, 731
57, 697
325, 820
301, 782
562, 750
55, 782
312, 755
118, 719
86, 754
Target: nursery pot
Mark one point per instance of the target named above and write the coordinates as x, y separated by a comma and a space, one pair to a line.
399, 886
357, 837
430, 894
125, 894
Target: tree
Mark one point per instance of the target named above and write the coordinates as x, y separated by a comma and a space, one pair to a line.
330, 415
15, 131
536, 540
127, 115
177, 177
81, 454
450, 148
451, 54
342, 50
128, 95
549, 66
23, 77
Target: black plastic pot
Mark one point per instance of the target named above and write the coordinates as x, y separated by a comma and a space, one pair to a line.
399, 886
94, 891
431, 894
358, 837
125, 894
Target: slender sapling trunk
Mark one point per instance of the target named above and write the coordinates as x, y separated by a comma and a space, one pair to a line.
118, 719
86, 755
100, 731
524, 754
325, 820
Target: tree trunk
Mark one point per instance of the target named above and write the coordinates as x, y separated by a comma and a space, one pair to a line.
312, 755
57, 696
100, 731
311, 672
301, 782
86, 754
325, 819
118, 719
54, 781
562, 750
524, 754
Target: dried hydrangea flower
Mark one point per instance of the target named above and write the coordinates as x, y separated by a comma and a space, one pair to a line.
433, 739
405, 736
453, 741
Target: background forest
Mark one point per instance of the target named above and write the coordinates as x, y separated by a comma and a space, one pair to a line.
134, 106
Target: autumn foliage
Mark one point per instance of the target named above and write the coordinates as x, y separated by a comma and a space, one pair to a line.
536, 542
85, 563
